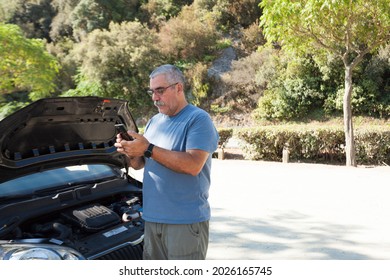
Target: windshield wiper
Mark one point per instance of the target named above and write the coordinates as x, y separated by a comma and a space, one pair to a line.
35, 194
16, 197
70, 186
54, 190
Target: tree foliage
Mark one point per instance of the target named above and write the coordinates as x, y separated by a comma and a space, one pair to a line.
32, 16
342, 26
218, 45
61, 25
188, 36
229, 13
89, 15
350, 29
118, 61
25, 65
156, 12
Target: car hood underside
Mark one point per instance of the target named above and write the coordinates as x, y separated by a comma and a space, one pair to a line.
63, 131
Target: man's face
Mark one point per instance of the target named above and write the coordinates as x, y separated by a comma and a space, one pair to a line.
165, 96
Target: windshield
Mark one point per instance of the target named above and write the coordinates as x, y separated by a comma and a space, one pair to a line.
57, 177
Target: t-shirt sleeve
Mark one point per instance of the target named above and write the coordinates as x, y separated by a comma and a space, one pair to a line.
202, 134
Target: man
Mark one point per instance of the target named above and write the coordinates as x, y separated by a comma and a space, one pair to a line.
175, 152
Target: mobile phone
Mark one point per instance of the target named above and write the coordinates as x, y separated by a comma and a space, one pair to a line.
121, 129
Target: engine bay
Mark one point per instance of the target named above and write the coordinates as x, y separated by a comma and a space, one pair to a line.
94, 229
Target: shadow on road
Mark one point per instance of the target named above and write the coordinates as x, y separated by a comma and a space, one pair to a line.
285, 236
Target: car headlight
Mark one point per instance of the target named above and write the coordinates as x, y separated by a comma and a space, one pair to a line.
14, 251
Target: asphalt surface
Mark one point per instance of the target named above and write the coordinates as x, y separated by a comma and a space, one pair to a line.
294, 211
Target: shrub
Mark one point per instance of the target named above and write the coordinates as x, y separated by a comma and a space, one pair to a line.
270, 106
315, 144
294, 91
372, 145
197, 77
224, 135
252, 38
188, 37
159, 11
304, 143
246, 80
237, 12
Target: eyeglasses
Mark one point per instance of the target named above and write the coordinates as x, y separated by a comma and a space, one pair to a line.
160, 90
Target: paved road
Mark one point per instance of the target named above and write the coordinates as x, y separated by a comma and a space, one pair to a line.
277, 211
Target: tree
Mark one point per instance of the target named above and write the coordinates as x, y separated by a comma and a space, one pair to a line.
32, 16
89, 15
25, 65
61, 25
349, 29
188, 36
117, 62
156, 12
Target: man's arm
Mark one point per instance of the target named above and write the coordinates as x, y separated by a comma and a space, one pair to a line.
188, 162
136, 162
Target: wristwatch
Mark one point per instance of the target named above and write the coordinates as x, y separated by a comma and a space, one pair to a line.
149, 151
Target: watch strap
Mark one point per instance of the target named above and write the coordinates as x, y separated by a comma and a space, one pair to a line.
148, 153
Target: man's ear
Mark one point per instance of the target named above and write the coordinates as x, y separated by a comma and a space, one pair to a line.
180, 88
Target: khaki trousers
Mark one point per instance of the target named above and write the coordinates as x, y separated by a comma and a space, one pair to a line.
176, 241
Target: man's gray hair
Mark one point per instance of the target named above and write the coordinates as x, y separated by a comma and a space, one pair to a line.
171, 72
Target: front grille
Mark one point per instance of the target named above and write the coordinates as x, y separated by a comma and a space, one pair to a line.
128, 252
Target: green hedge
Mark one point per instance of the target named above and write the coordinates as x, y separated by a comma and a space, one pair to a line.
224, 135
373, 146
320, 145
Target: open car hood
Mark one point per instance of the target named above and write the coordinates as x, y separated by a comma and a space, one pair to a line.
57, 132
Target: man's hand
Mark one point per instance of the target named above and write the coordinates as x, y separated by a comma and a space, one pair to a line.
134, 149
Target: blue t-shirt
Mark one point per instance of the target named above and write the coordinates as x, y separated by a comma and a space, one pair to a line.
171, 197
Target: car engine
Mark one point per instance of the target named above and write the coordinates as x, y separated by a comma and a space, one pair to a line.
110, 229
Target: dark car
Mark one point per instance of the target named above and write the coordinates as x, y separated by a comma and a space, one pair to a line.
65, 192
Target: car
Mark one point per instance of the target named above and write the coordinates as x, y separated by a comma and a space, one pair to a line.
65, 191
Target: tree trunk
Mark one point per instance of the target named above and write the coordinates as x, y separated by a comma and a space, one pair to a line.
348, 128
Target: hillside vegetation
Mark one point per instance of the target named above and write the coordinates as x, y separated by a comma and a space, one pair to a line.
108, 48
